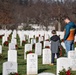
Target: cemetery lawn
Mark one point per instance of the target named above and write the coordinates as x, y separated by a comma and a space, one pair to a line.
22, 62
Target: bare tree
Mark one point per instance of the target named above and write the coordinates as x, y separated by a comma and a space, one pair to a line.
41, 12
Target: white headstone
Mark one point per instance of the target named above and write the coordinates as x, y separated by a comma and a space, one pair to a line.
28, 47
46, 36
9, 67
73, 64
40, 38
4, 38
32, 64
22, 38
36, 34
46, 43
12, 55
62, 63
30, 35
33, 41
14, 41
72, 54
65, 63
63, 45
75, 39
0, 49
75, 48
46, 59
12, 46
28, 40
61, 34
38, 48
14, 33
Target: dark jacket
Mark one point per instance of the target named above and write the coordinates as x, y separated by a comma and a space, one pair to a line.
55, 43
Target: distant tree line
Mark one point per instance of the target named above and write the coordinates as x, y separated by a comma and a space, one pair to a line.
41, 12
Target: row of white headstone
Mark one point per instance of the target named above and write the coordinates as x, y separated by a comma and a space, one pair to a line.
6, 35
46, 52
23, 35
66, 62
32, 63
38, 48
33, 68
11, 64
12, 57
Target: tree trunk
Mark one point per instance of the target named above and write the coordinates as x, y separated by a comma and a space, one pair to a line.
59, 26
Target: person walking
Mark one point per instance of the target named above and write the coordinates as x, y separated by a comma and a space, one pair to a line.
55, 45
69, 34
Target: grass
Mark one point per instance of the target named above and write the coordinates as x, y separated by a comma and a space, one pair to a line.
41, 67
22, 62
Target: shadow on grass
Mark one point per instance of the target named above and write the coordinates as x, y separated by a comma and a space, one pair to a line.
19, 54
5, 58
0, 73
22, 64
19, 48
41, 70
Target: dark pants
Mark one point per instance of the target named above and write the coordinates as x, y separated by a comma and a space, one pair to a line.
53, 56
